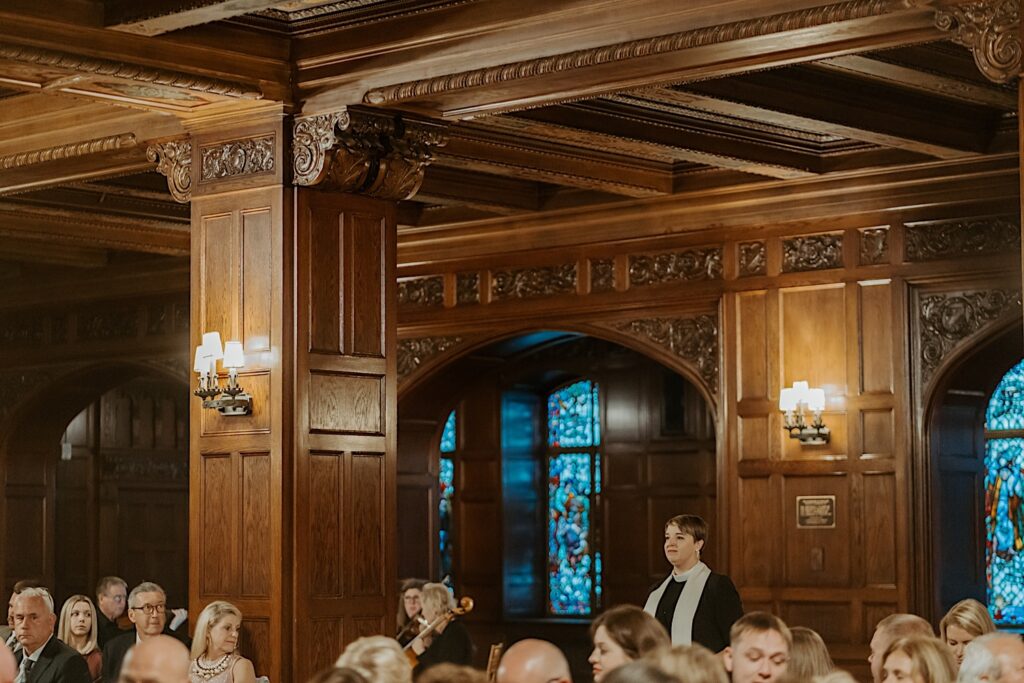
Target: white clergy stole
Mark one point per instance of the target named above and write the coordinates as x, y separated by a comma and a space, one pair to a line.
682, 620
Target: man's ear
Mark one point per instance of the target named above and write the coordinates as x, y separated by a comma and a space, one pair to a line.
727, 659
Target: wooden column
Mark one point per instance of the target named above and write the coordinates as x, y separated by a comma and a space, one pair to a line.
292, 508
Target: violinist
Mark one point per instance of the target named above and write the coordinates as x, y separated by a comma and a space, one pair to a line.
410, 616
450, 641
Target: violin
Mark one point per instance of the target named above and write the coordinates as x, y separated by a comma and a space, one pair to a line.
413, 627
465, 606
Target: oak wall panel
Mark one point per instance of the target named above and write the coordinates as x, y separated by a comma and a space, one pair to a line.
836, 449
813, 337
832, 620
257, 289
257, 384
818, 556
879, 522
218, 268
365, 270
367, 538
754, 437
751, 331
256, 526
325, 306
622, 409
254, 642
326, 523
876, 360
758, 528
343, 403
877, 432
325, 642
218, 576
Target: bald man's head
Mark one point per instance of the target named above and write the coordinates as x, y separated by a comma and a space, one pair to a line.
8, 667
160, 659
534, 661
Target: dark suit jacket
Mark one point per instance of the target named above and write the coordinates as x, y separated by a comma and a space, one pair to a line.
718, 609
107, 629
58, 663
117, 648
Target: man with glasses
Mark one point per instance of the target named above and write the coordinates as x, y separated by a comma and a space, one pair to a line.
111, 599
147, 610
758, 651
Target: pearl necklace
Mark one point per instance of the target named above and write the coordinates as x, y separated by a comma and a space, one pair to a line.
208, 671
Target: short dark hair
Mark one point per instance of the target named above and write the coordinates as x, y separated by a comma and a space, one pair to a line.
690, 524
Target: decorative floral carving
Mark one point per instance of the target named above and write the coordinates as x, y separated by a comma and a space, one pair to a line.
812, 252
69, 151
467, 288
25, 329
15, 385
527, 283
412, 353
692, 264
951, 239
990, 29
946, 320
421, 291
174, 160
108, 324
753, 259
695, 340
144, 466
874, 246
312, 136
602, 275
237, 157
166, 318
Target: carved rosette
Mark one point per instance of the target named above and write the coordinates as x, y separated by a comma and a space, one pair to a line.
412, 353
812, 252
174, 160
529, 283
602, 275
958, 238
753, 259
251, 156
694, 339
874, 246
312, 136
689, 265
423, 292
948, 319
467, 288
989, 29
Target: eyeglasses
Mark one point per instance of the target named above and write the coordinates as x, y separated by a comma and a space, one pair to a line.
149, 609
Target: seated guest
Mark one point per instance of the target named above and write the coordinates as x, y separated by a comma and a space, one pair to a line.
692, 663
452, 673
993, 658
159, 659
77, 628
889, 629
965, 621
410, 619
378, 659
918, 659
111, 598
641, 672
621, 635
44, 657
693, 603
808, 657
215, 657
336, 675
449, 642
8, 667
147, 610
10, 640
534, 661
758, 651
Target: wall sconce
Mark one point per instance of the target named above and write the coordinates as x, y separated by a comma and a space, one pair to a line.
232, 399
794, 402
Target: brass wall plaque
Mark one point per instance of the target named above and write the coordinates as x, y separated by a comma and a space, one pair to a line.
815, 512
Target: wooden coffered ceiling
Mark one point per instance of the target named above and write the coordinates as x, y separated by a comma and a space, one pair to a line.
550, 105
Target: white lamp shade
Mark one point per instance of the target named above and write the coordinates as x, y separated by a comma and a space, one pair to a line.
212, 345
200, 365
211, 363
787, 400
816, 400
234, 356
801, 390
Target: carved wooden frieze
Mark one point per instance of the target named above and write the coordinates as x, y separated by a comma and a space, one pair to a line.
694, 339
689, 265
68, 151
753, 259
424, 292
167, 318
251, 156
946, 320
22, 330
467, 288
989, 28
16, 385
143, 467
108, 324
956, 238
529, 283
874, 246
412, 353
174, 160
365, 152
602, 275
812, 252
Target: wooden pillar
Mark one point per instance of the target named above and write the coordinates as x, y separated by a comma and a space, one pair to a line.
292, 508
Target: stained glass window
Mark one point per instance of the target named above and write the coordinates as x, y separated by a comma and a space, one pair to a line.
1004, 495
446, 482
574, 480
448, 434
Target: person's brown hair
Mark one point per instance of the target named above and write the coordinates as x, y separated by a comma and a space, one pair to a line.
408, 584
808, 656
690, 524
970, 615
929, 657
759, 622
338, 675
452, 673
632, 629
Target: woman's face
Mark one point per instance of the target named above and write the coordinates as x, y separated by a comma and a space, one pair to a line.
223, 636
897, 668
81, 618
957, 639
607, 655
411, 599
430, 612
680, 549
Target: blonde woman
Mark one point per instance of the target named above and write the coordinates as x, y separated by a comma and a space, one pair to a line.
808, 657
918, 659
378, 659
79, 628
965, 621
450, 642
215, 657
692, 663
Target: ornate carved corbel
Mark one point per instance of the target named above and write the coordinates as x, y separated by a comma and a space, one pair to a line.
174, 160
364, 152
989, 29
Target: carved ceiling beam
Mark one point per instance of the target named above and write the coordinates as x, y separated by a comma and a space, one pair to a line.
156, 17
490, 193
376, 153
990, 29
49, 253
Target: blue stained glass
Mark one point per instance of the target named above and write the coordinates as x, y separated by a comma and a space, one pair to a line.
570, 582
447, 486
1006, 407
597, 473
573, 416
448, 434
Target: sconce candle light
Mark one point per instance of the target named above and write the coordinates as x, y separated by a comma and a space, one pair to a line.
232, 399
794, 402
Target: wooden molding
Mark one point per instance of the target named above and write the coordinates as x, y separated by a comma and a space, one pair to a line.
990, 29
60, 152
174, 160
155, 18
417, 352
